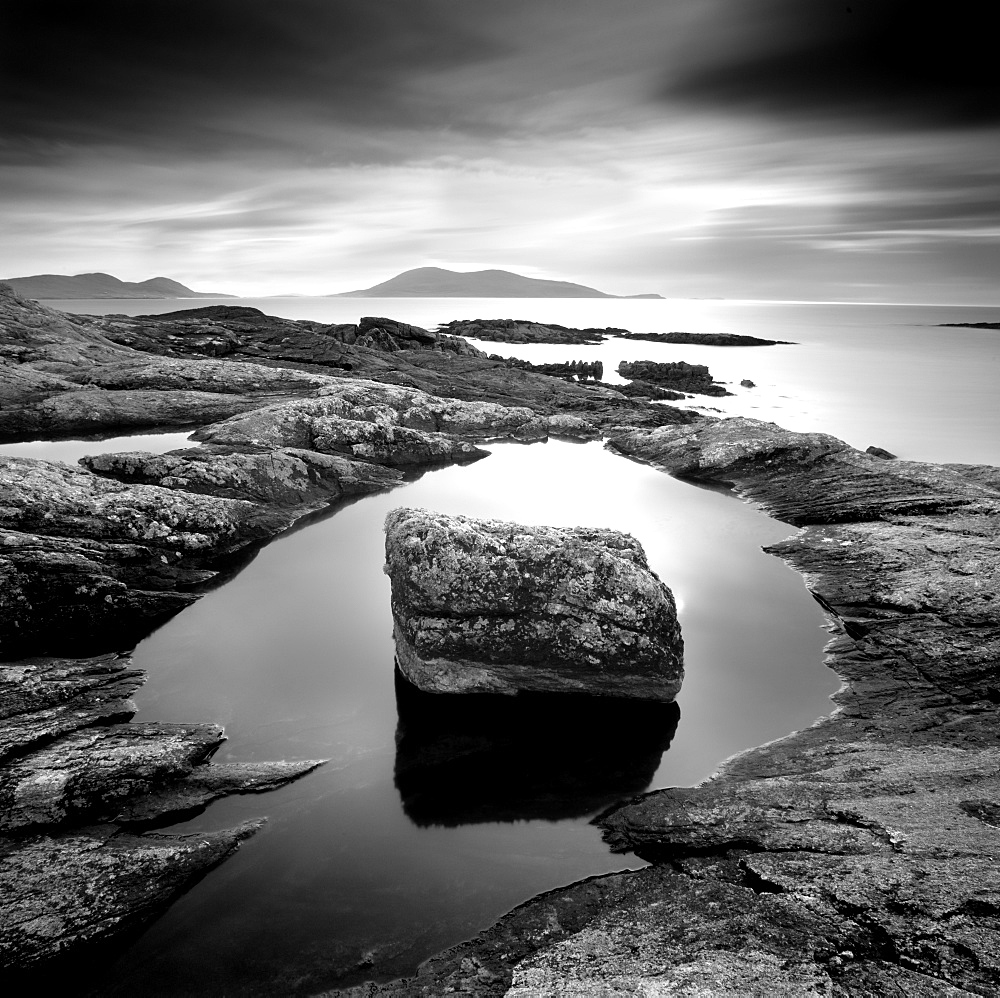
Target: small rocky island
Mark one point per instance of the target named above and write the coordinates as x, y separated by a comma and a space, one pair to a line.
676, 375
493, 607
855, 858
705, 339
525, 331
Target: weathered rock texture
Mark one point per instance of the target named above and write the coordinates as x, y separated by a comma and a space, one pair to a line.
386, 424
67, 890
678, 375
86, 562
76, 784
854, 858
488, 606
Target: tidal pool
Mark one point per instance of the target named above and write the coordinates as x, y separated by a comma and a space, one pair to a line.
426, 825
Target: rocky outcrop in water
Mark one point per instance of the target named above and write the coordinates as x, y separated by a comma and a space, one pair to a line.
525, 331
644, 390
705, 339
678, 375
570, 369
495, 607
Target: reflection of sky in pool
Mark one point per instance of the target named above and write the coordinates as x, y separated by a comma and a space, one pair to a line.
415, 835
70, 451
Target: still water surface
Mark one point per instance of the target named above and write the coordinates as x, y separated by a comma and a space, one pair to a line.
416, 835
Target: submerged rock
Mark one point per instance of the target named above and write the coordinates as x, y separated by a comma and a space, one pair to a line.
489, 606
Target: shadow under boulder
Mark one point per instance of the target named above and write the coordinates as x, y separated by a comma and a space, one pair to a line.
464, 759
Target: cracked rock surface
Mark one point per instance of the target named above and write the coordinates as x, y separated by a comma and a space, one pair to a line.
490, 606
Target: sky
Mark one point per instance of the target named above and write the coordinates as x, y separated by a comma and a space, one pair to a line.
789, 149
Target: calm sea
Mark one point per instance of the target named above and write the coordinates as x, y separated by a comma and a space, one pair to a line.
426, 826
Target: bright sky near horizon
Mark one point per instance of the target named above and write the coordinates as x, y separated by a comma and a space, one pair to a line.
796, 149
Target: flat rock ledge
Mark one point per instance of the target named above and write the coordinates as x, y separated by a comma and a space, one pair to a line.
490, 606
855, 858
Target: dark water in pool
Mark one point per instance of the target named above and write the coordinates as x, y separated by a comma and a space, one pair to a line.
433, 819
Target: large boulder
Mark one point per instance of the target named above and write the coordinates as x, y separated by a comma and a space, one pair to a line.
489, 606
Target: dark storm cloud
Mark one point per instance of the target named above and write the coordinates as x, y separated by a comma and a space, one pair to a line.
211, 75
905, 62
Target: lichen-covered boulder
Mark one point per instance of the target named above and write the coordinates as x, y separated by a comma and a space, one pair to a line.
489, 606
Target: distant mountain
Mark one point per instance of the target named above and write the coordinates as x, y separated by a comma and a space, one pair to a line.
435, 282
101, 286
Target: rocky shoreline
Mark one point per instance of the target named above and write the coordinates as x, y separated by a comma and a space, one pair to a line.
851, 858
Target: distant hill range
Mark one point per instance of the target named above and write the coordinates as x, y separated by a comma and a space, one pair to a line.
435, 282
101, 286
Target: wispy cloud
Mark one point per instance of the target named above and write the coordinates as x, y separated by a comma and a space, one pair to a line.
687, 147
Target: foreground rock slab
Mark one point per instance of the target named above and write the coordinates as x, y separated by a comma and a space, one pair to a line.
85, 886
77, 786
489, 606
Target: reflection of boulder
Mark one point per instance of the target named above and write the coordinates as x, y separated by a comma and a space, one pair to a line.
486, 606
468, 759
